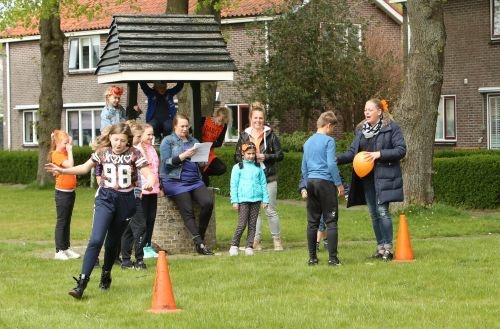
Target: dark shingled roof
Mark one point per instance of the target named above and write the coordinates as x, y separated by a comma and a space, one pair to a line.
164, 43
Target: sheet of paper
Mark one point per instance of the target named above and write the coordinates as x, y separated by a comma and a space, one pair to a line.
202, 151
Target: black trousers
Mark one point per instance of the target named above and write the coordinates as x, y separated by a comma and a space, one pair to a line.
149, 204
322, 201
216, 168
184, 202
65, 202
111, 211
134, 234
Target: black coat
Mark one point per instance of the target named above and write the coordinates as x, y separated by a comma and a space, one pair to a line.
270, 146
387, 171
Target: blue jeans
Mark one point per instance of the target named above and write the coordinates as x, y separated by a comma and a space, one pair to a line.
381, 218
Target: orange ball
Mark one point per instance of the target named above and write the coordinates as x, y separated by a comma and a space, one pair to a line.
362, 166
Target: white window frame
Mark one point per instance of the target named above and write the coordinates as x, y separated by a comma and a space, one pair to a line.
494, 16
488, 130
93, 111
229, 124
92, 65
442, 103
35, 120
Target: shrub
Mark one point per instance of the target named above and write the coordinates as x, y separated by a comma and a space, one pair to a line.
468, 181
450, 153
294, 142
19, 167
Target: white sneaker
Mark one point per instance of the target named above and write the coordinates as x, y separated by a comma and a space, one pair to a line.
71, 254
249, 251
233, 251
61, 255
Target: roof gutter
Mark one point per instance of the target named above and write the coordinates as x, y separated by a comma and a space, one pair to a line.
9, 133
66, 34
390, 11
250, 19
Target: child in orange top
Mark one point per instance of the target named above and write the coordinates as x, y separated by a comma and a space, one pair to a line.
62, 155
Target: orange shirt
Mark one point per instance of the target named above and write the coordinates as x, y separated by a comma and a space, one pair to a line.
210, 132
63, 182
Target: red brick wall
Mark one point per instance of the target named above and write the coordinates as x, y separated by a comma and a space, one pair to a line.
470, 55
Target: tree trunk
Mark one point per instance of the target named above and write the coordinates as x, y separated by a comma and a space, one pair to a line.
417, 108
50, 101
208, 89
177, 7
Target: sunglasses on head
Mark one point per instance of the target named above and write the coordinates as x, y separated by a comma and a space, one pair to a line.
246, 147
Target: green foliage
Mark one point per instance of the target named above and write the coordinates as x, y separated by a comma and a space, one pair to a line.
461, 153
465, 181
469, 181
294, 142
19, 167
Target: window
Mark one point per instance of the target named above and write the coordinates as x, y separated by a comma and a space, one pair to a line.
29, 127
495, 19
238, 120
494, 121
83, 53
83, 125
445, 126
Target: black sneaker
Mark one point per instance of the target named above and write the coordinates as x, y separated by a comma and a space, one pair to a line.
387, 256
105, 280
312, 261
127, 264
140, 265
81, 284
203, 250
334, 261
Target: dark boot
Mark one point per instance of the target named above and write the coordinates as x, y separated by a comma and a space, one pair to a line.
81, 284
203, 250
105, 280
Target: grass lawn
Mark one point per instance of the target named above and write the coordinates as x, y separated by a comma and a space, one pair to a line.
452, 284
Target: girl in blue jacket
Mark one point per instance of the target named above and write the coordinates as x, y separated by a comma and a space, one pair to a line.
248, 191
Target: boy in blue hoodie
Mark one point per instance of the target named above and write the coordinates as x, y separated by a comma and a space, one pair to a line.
319, 168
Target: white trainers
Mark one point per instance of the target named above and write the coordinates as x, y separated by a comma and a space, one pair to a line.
61, 255
233, 251
71, 254
249, 251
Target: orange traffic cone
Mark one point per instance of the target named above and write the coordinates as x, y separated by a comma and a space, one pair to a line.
163, 296
404, 253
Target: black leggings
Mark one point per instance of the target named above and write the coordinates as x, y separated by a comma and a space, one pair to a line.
64, 208
184, 202
247, 214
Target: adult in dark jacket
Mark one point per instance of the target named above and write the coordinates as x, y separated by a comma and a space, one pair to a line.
161, 107
382, 138
268, 154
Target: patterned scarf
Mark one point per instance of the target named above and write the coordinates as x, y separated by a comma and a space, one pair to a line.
370, 131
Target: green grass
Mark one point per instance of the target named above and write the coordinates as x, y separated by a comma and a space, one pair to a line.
452, 284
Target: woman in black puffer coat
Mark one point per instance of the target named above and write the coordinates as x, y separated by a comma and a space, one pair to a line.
382, 138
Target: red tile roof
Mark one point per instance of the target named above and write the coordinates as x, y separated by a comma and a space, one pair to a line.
238, 8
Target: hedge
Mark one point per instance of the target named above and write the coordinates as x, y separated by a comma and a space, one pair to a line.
470, 181
19, 167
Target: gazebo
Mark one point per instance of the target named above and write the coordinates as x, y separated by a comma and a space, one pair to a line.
167, 48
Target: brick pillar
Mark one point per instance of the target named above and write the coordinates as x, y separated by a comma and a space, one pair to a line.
169, 232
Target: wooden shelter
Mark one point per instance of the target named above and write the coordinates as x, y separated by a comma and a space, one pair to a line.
165, 48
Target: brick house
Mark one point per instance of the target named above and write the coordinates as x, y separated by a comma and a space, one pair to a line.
83, 97
469, 111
